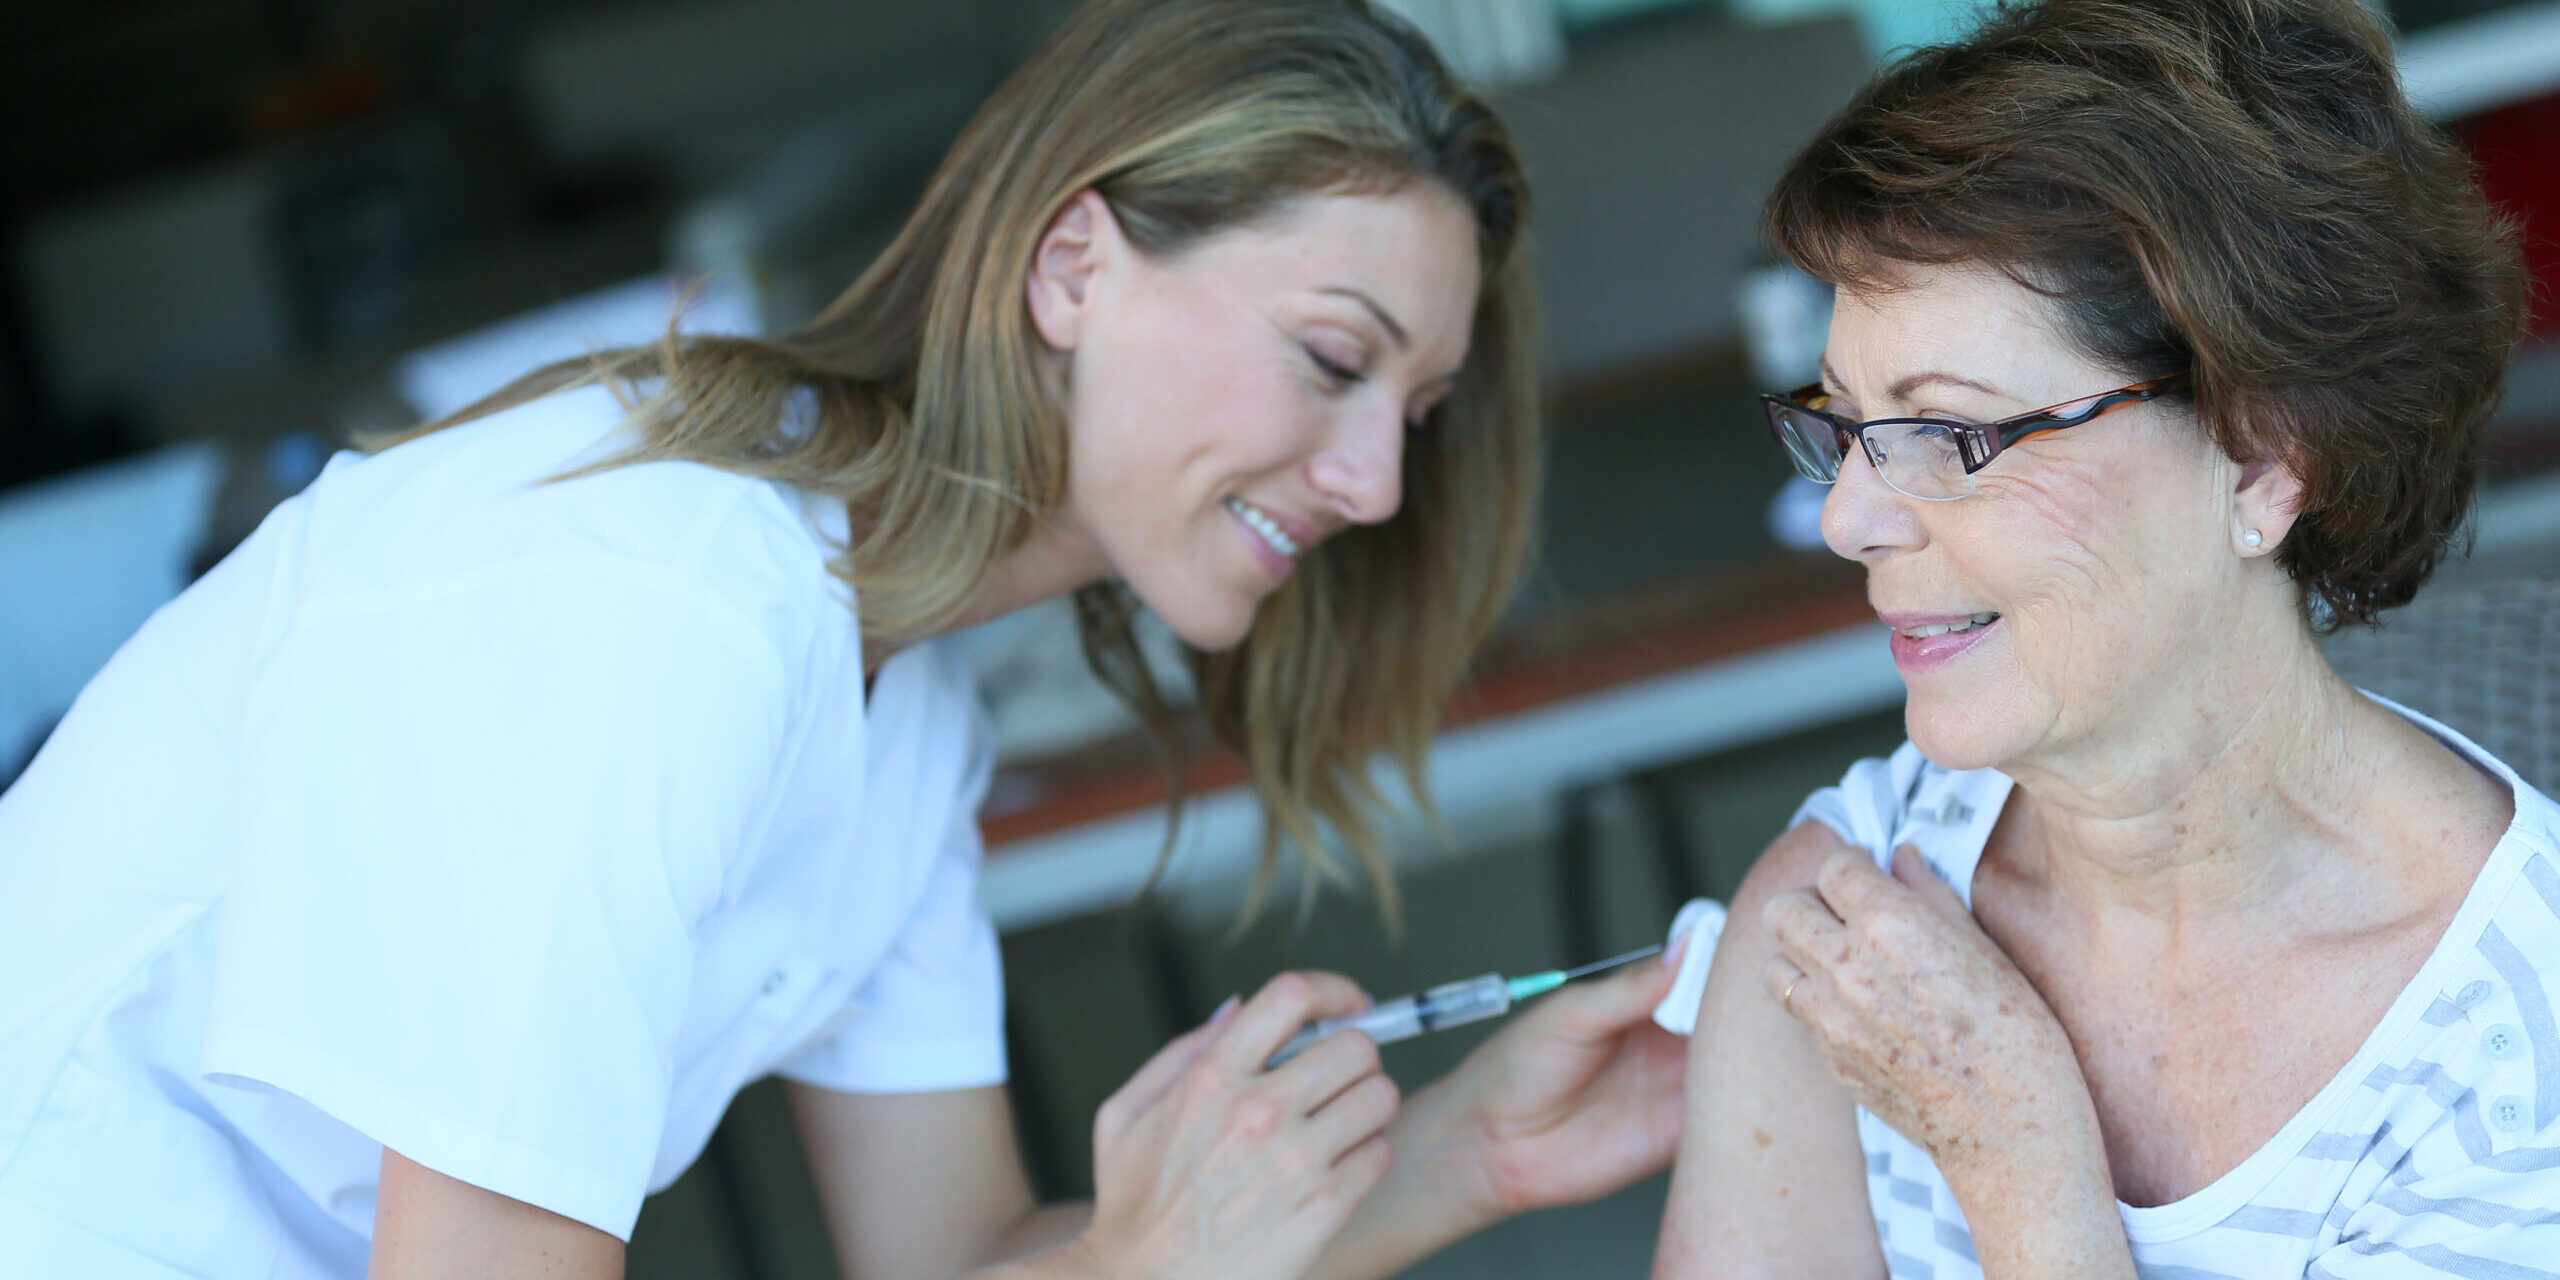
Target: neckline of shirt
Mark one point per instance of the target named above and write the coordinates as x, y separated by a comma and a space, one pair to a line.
2208, 1205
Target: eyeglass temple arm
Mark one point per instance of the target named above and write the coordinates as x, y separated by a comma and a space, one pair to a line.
1978, 445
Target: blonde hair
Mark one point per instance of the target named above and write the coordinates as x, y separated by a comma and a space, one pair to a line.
933, 427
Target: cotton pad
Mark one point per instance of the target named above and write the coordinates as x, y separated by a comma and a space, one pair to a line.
1701, 921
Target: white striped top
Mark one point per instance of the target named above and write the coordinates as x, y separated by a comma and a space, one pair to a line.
2434, 1152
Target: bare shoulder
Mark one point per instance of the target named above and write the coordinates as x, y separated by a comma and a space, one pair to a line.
1792, 861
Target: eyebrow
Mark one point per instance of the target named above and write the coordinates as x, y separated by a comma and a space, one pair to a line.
1395, 332
1903, 387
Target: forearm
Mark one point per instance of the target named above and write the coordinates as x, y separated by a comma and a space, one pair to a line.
2039, 1215
1434, 1195
1038, 1232
1064, 1260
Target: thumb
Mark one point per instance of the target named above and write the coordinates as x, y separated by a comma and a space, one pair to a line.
1915, 874
1614, 1003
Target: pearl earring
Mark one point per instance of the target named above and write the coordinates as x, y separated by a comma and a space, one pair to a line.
2251, 537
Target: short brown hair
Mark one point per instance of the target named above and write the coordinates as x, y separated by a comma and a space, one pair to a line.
2232, 188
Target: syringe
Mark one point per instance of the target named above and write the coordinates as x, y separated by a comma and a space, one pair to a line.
1451, 1004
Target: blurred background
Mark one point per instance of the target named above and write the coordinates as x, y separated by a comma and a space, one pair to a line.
237, 231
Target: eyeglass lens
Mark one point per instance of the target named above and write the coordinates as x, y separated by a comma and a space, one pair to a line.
1812, 444
1916, 458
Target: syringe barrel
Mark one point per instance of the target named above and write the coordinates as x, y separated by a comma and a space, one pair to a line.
1450, 1004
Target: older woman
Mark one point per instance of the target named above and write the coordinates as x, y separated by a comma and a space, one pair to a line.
2165, 333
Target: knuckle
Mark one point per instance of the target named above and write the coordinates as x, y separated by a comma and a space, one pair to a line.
1256, 1117
1200, 1083
1378, 1108
1361, 1050
1291, 989
1839, 871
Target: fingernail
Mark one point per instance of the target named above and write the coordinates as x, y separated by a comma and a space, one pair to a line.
1678, 948
1225, 1011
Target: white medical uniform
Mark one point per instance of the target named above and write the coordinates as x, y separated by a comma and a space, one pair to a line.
513, 826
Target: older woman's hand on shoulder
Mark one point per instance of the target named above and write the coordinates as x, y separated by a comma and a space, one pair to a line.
1923, 1018
1928, 1025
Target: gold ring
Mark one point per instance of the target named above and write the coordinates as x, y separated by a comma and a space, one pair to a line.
1786, 997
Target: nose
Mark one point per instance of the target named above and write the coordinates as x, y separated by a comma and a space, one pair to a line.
1863, 518
1360, 471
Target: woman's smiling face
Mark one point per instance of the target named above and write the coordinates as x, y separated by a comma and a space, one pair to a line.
1232, 404
2094, 572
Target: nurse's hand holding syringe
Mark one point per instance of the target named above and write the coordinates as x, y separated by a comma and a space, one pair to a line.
1208, 1165
1451, 1004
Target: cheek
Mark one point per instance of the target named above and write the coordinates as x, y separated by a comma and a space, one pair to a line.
2057, 533
2059, 563
1147, 401
2092, 563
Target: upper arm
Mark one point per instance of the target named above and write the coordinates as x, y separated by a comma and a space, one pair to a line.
1770, 1179
427, 1226
914, 1185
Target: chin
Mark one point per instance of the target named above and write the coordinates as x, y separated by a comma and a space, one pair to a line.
1966, 733
1210, 626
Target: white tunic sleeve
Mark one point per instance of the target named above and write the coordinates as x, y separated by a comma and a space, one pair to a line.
931, 1017
483, 814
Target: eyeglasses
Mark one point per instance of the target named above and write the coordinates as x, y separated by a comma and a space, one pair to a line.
1932, 459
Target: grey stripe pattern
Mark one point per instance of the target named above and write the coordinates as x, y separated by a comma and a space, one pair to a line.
2337, 1146
2403, 1176
1956, 1240
2438, 1258
2545, 880
2479, 1213
2534, 1010
2269, 1220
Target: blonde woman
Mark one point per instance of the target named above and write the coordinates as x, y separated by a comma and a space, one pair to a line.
412, 895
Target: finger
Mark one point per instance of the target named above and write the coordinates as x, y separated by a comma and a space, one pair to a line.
1140, 1093
1286, 1003
1328, 1067
1802, 926
1786, 985
1605, 1008
1358, 1114
1913, 870
1849, 881
1361, 1169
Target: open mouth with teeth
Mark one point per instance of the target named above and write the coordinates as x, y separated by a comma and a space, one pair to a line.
1958, 627
1263, 525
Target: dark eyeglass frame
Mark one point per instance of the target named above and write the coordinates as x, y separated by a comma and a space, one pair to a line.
1976, 443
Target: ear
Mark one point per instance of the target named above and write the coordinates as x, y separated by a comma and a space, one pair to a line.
1074, 249
2267, 501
